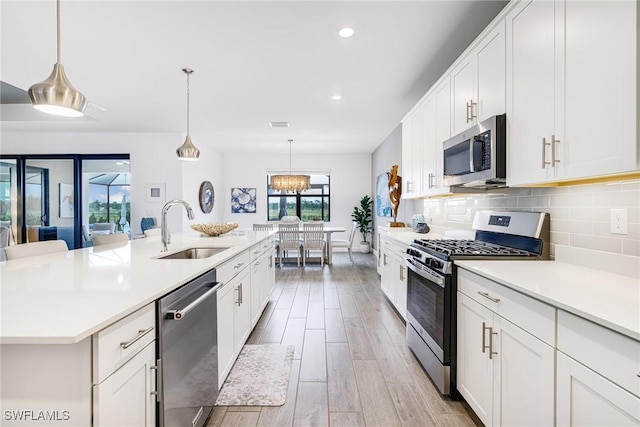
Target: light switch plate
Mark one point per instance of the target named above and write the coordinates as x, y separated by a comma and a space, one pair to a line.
619, 219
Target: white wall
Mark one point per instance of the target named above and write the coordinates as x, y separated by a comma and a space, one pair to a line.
350, 180
387, 154
153, 160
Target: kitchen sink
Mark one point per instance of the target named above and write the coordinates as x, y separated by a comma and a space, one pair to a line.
194, 253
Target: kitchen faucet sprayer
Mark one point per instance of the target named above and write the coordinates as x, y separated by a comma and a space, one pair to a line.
166, 236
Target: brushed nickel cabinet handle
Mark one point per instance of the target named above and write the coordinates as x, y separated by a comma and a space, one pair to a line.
544, 153
468, 112
491, 334
158, 368
487, 296
141, 333
554, 141
472, 115
384, 256
484, 337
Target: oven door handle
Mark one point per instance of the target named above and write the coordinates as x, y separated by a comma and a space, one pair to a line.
426, 273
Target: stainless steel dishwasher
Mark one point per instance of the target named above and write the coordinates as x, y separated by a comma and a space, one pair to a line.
188, 353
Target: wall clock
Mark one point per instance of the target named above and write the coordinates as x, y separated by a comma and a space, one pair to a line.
207, 196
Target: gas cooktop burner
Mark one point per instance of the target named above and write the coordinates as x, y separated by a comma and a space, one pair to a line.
445, 248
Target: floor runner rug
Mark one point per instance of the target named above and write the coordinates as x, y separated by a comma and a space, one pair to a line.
260, 377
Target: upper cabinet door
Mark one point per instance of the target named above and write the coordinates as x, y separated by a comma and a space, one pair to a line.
530, 75
600, 88
490, 67
464, 101
571, 90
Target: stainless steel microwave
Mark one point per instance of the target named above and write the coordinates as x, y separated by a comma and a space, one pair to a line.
478, 156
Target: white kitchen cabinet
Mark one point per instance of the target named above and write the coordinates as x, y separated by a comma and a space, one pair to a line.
269, 279
125, 371
597, 375
437, 119
126, 398
586, 398
478, 81
234, 320
571, 93
499, 356
262, 282
412, 140
393, 278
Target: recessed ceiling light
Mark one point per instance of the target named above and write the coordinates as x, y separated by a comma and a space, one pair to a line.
336, 97
279, 124
346, 32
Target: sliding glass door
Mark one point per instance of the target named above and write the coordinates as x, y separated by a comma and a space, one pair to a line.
60, 197
50, 200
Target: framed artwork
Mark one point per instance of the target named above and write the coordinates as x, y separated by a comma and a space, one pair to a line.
65, 195
155, 192
383, 203
243, 200
206, 196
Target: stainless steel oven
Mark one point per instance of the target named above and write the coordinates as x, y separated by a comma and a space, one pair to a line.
430, 321
431, 283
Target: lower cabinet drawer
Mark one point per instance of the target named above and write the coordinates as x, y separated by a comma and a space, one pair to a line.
613, 355
235, 265
535, 317
115, 345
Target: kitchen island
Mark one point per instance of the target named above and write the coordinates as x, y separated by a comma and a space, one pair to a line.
61, 312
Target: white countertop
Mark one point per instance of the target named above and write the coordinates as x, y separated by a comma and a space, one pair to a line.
608, 299
63, 298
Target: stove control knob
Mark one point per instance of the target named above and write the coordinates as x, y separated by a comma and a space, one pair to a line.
413, 252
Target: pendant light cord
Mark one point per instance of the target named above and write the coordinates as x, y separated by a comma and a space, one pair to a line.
188, 73
58, 31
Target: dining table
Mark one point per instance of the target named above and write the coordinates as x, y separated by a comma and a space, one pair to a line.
328, 230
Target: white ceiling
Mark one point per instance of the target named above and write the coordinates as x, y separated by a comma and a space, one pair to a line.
254, 62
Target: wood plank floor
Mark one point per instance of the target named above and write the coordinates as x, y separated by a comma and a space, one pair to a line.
351, 366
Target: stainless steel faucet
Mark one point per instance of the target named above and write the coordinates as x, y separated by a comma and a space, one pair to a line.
166, 236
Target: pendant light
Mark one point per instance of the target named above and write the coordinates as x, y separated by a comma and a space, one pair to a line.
290, 183
188, 151
56, 95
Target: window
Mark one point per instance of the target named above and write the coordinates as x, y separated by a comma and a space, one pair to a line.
311, 205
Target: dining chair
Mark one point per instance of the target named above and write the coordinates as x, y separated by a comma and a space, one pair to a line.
104, 227
290, 218
108, 239
348, 243
35, 248
151, 232
289, 239
262, 227
313, 239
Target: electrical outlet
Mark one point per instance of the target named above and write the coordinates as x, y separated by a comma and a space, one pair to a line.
619, 219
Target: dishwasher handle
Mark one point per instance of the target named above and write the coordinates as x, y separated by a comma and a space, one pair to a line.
179, 314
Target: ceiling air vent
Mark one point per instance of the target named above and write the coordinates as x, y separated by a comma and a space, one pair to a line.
279, 124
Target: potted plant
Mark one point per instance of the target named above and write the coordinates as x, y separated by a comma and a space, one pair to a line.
362, 217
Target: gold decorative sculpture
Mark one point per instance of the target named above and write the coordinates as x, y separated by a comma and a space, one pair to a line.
395, 191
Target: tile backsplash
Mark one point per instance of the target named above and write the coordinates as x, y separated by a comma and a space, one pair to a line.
580, 214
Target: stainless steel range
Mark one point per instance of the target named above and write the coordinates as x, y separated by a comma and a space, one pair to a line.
431, 282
